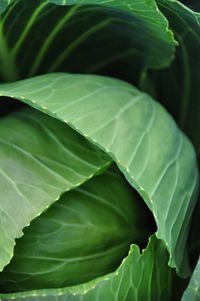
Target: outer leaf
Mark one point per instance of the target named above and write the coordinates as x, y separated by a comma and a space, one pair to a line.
192, 292
84, 235
40, 158
137, 271
85, 29
156, 158
183, 76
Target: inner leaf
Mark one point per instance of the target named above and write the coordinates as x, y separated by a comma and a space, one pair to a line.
84, 235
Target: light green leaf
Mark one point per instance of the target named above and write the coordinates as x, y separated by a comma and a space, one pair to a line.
154, 155
192, 292
84, 235
143, 276
40, 158
103, 23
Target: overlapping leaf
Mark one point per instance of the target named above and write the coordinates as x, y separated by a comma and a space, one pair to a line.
183, 78
182, 99
86, 27
84, 235
159, 163
126, 283
40, 158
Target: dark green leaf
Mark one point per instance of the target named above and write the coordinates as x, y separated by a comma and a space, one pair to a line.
178, 86
84, 235
85, 29
143, 276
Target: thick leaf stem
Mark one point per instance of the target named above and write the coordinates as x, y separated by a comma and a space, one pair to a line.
28, 28
49, 40
8, 66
